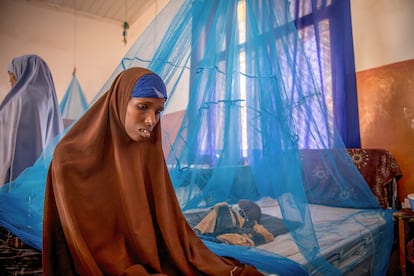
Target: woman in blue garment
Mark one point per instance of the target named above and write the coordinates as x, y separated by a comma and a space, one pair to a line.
29, 116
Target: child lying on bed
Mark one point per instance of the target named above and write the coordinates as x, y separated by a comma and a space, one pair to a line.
238, 224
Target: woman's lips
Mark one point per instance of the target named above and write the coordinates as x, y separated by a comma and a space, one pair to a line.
145, 132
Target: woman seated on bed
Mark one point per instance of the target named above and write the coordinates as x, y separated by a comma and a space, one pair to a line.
29, 116
110, 207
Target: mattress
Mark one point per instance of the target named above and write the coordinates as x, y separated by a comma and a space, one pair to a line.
345, 236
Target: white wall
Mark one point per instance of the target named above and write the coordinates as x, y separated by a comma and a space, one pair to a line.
382, 31
27, 29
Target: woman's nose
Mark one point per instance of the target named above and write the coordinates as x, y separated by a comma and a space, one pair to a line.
150, 119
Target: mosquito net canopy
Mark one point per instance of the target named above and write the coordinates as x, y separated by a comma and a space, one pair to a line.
73, 103
244, 127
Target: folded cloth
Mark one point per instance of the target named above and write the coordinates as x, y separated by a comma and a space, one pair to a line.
237, 239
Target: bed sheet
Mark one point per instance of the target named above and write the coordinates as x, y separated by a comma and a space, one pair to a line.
345, 235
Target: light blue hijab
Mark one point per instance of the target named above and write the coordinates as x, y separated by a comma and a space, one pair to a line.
17, 66
29, 116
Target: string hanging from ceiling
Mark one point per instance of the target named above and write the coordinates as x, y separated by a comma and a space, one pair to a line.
73, 103
74, 37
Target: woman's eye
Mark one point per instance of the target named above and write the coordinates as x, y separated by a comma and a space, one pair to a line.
142, 107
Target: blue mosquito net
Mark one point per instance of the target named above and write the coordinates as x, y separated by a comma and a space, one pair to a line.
257, 164
73, 103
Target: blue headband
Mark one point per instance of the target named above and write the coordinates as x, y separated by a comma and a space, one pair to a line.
149, 86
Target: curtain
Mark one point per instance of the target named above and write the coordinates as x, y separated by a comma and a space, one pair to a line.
326, 30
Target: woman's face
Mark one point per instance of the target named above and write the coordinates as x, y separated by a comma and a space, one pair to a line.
12, 79
142, 115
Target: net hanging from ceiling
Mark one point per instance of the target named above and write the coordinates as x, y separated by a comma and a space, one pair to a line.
251, 120
73, 103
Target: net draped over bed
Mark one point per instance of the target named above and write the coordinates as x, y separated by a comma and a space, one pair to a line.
254, 118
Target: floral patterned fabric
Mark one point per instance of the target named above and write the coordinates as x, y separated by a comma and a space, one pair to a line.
377, 166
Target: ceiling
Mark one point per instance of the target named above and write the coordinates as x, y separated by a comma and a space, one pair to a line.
116, 10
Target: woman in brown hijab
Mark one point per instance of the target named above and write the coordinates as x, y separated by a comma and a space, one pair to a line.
110, 208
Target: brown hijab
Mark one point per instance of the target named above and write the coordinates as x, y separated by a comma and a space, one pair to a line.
110, 208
